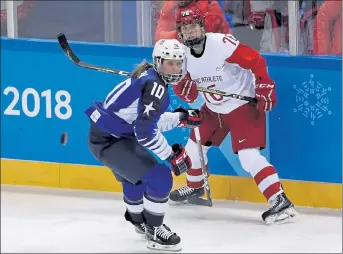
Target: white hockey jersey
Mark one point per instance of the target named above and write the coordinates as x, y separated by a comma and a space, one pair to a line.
210, 70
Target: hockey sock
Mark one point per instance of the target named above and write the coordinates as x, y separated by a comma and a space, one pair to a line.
133, 198
262, 171
159, 182
195, 178
268, 182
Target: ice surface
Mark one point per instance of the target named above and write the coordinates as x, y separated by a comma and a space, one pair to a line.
52, 220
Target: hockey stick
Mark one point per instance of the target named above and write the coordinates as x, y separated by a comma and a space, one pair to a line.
225, 94
62, 39
198, 200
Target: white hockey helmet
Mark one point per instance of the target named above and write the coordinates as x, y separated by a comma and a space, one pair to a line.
169, 49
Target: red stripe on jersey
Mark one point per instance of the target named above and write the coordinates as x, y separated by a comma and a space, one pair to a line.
249, 59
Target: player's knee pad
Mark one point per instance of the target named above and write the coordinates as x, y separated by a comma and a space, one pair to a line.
193, 153
133, 192
159, 181
252, 161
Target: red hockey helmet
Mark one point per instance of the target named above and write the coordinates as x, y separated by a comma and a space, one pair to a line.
183, 4
190, 35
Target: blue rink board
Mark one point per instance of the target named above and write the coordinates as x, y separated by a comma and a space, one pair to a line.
304, 129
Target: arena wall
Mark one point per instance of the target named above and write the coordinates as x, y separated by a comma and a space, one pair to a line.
44, 95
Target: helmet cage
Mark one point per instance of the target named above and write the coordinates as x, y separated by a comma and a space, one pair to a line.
191, 43
170, 49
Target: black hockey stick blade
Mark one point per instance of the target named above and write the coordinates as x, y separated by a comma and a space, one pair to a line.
199, 201
202, 201
62, 40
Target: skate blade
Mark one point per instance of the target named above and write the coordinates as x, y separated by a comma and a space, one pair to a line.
174, 203
288, 215
200, 201
159, 247
141, 235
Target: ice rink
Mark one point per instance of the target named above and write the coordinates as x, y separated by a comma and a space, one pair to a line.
52, 220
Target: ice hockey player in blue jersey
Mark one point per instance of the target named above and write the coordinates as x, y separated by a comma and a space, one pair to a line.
126, 128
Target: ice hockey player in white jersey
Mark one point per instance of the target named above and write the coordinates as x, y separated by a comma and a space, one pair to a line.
219, 61
126, 127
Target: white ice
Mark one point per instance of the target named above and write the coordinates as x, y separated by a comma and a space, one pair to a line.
56, 221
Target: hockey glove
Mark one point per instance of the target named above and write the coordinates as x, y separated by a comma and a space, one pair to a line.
265, 94
179, 159
189, 118
186, 89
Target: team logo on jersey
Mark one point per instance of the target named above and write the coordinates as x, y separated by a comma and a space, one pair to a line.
148, 108
210, 79
219, 68
186, 13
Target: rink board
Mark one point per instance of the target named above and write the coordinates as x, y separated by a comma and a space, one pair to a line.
99, 178
303, 138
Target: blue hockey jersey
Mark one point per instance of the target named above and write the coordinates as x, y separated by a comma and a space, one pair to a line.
134, 108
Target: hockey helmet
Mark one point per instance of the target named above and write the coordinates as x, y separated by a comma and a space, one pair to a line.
190, 35
183, 4
170, 49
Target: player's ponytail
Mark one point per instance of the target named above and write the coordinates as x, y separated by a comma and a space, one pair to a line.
142, 67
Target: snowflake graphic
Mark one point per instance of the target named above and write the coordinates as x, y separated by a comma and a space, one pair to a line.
312, 99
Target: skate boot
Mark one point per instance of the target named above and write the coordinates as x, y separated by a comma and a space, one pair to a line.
140, 229
180, 195
139, 226
162, 238
281, 211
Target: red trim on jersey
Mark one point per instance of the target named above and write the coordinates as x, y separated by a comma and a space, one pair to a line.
249, 59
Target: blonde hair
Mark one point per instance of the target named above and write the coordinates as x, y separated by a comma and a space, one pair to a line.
140, 68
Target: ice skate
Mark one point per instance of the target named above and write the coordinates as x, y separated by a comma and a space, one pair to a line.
139, 226
281, 211
180, 195
162, 238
